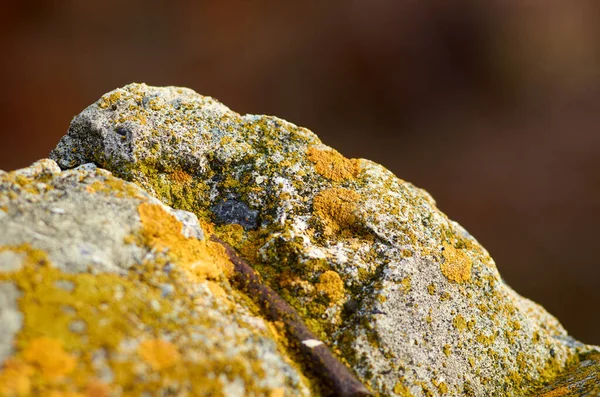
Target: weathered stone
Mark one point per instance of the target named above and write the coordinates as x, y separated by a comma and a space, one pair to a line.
421, 308
232, 211
106, 291
10, 317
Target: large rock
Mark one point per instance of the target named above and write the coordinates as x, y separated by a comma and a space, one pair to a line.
106, 291
406, 297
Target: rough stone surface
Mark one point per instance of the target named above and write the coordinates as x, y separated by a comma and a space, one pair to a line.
406, 296
10, 318
105, 291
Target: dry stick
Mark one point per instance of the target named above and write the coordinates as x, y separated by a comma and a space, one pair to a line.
335, 375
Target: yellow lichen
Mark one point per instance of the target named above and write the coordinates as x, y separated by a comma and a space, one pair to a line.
471, 361
402, 390
44, 305
331, 285
486, 340
14, 378
447, 350
316, 265
116, 309
456, 264
442, 387
332, 165
431, 289
159, 354
406, 253
116, 187
406, 285
48, 355
216, 289
336, 208
232, 233
176, 188
109, 99
471, 324
459, 322
162, 231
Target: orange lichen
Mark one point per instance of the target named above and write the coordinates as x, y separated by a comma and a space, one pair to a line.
331, 285
162, 231
181, 177
336, 208
14, 378
332, 165
49, 356
456, 264
559, 392
159, 354
58, 393
96, 388
277, 393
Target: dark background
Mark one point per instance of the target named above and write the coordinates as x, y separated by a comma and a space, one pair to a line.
492, 106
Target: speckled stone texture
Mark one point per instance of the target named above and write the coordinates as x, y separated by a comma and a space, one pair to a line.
105, 291
405, 296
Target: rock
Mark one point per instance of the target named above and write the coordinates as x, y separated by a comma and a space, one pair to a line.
405, 296
106, 291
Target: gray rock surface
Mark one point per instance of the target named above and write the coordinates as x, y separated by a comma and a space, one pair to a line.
10, 317
106, 291
406, 296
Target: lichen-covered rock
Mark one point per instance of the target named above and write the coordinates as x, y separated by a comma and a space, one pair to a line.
580, 380
404, 295
105, 291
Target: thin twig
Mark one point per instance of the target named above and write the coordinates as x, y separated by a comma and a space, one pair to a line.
336, 377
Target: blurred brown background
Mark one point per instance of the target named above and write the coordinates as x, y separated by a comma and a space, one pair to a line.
492, 106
